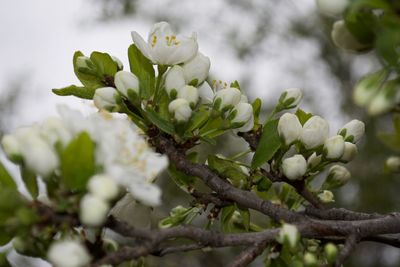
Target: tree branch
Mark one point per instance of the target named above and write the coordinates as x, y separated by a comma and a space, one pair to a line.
248, 255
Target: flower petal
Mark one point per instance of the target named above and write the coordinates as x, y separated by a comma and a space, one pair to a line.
141, 45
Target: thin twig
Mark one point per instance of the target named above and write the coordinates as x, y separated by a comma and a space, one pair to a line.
248, 255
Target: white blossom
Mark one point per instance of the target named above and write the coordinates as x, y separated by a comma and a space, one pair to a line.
181, 109
68, 253
228, 97
350, 151
289, 234
93, 210
103, 187
105, 98
125, 81
189, 93
174, 79
294, 167
206, 93
196, 69
164, 47
53, 130
244, 114
334, 147
289, 128
352, 131
326, 196
314, 133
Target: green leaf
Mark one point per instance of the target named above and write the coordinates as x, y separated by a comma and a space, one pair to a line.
269, 144
256, 109
199, 118
143, 69
245, 214
105, 65
78, 91
388, 45
182, 180
5, 178
228, 169
78, 162
30, 181
303, 116
3, 259
361, 23
162, 124
226, 216
88, 79
179, 215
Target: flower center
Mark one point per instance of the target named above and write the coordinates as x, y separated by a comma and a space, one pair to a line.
171, 40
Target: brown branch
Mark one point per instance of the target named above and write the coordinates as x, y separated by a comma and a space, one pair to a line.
340, 214
349, 246
248, 255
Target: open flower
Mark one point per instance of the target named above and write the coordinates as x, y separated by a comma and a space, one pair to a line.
164, 47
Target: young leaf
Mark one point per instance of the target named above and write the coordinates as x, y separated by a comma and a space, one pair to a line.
90, 80
78, 91
268, 145
228, 169
226, 216
78, 162
5, 178
182, 180
30, 181
105, 65
198, 119
245, 214
143, 69
303, 116
162, 124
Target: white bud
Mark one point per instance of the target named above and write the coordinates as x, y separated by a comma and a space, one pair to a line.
352, 131
294, 167
103, 187
244, 114
206, 93
181, 109
119, 62
310, 260
54, 130
82, 62
289, 234
11, 146
104, 98
334, 147
68, 253
228, 97
315, 132
393, 164
39, 156
368, 87
174, 79
125, 81
196, 69
350, 151
332, 7
326, 196
189, 93
291, 97
313, 160
337, 176
93, 210
344, 39
289, 128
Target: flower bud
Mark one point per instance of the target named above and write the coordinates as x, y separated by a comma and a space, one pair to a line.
181, 109
206, 94
344, 39
103, 187
189, 93
332, 8
326, 196
337, 176
290, 98
11, 147
310, 260
196, 70
352, 131
331, 252
289, 235
289, 128
368, 87
125, 81
385, 100
174, 79
104, 98
350, 151
244, 114
93, 210
334, 147
244, 99
228, 97
315, 132
53, 130
294, 167
393, 164
83, 62
313, 160
120, 66
68, 253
